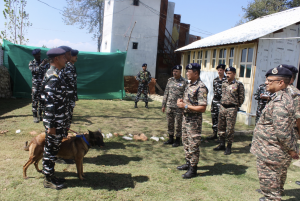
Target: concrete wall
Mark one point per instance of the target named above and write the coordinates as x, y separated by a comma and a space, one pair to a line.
145, 33
272, 53
107, 26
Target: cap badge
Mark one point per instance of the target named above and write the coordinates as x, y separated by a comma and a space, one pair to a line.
275, 71
280, 66
228, 69
177, 67
190, 66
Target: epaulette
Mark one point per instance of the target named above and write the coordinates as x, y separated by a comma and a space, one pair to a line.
50, 73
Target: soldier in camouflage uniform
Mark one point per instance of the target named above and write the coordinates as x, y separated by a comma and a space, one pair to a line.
144, 78
274, 143
233, 96
262, 96
74, 58
54, 118
174, 91
215, 104
36, 66
194, 103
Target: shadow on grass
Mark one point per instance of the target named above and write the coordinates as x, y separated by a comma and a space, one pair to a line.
84, 118
12, 116
111, 160
220, 168
292, 193
8, 105
99, 180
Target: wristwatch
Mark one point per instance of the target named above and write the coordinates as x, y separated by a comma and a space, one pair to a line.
186, 106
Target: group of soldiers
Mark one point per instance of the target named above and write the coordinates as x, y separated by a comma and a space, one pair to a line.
277, 122
54, 88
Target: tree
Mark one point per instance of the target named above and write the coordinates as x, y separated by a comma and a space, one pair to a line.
17, 20
259, 8
87, 14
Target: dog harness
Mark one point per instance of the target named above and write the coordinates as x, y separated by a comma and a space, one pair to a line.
84, 139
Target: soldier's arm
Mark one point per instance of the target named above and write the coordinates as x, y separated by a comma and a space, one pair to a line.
166, 94
50, 92
283, 126
150, 77
297, 112
241, 94
138, 77
202, 101
33, 67
257, 94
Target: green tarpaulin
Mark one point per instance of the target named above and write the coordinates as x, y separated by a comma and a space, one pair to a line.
100, 75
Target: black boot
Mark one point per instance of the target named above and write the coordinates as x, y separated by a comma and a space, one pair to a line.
135, 105
41, 115
215, 136
192, 172
220, 147
177, 142
171, 140
53, 183
146, 105
228, 149
184, 166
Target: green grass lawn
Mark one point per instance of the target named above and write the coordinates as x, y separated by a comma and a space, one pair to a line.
128, 170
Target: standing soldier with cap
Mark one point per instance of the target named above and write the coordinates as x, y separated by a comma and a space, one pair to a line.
274, 143
174, 91
194, 103
233, 96
215, 104
54, 118
74, 58
144, 78
35, 67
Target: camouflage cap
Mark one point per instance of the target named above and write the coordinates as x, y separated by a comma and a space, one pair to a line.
279, 71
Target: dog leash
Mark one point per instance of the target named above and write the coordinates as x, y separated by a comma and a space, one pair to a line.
81, 136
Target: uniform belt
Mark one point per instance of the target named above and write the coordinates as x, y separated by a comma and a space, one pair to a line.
229, 105
189, 114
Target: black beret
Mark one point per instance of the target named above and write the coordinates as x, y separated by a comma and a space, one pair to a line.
144, 65
54, 52
36, 51
65, 48
279, 71
192, 66
177, 67
74, 52
230, 69
223, 66
292, 68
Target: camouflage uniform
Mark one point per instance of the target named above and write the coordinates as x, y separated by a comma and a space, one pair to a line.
215, 104
35, 68
43, 71
261, 102
295, 94
174, 91
55, 110
233, 95
195, 94
143, 75
272, 140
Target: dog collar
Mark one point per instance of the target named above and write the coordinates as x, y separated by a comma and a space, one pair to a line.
84, 139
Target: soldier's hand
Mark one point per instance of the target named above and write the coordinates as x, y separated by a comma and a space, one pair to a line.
45, 61
163, 109
180, 103
294, 155
51, 131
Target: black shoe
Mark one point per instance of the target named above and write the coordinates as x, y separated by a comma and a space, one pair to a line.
184, 166
177, 142
171, 140
220, 147
51, 182
262, 199
192, 172
135, 105
35, 120
297, 182
41, 117
215, 136
228, 149
146, 105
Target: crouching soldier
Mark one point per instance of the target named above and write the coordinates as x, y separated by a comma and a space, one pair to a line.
174, 91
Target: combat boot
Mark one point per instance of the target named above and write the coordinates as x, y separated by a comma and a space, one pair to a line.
215, 136
220, 147
177, 142
184, 166
228, 149
146, 105
52, 182
192, 172
35, 120
41, 115
171, 140
135, 105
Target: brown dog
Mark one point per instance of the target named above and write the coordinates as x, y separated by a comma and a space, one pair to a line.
70, 148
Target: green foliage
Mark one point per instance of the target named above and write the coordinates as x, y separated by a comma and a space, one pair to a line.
87, 14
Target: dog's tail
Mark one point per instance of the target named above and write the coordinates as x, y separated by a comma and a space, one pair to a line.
26, 147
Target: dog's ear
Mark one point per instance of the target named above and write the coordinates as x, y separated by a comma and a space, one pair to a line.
91, 134
99, 130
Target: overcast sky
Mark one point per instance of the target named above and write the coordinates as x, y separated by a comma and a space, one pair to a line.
48, 28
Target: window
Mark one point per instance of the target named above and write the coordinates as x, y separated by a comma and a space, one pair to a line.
214, 58
193, 61
199, 58
189, 58
231, 56
135, 45
136, 2
246, 62
222, 56
205, 61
